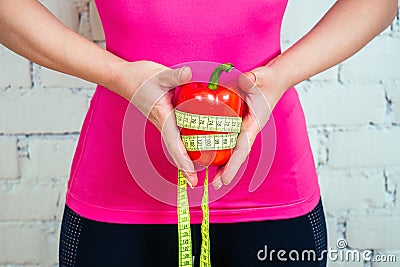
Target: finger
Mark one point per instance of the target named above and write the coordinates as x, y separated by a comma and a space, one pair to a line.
258, 112
171, 78
171, 136
245, 141
249, 81
185, 164
226, 173
258, 107
217, 182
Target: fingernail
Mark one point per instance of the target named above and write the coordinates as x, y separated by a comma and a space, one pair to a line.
187, 176
252, 76
189, 183
182, 70
218, 185
226, 183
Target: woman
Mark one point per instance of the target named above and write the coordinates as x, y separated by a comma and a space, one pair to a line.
108, 219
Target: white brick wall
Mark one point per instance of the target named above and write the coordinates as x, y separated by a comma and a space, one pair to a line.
28, 243
393, 95
317, 142
301, 16
14, 70
50, 157
341, 186
373, 231
332, 103
42, 110
365, 148
29, 203
97, 30
353, 118
50, 78
392, 178
373, 67
65, 10
9, 168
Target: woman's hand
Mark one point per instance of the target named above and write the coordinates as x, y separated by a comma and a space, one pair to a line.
29, 26
263, 88
148, 85
337, 36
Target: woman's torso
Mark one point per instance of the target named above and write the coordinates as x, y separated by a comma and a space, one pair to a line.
245, 33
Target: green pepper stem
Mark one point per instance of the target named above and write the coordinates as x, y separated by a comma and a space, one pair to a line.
216, 74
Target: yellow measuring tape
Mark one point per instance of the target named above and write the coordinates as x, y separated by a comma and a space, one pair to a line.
209, 142
208, 122
184, 232
199, 143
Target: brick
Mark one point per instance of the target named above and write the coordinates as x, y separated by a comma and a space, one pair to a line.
42, 111
388, 30
9, 167
351, 190
85, 28
317, 147
297, 23
368, 148
327, 75
82, 5
396, 26
65, 10
51, 78
393, 187
49, 157
32, 243
101, 44
393, 94
61, 201
14, 69
95, 22
396, 111
373, 231
333, 104
378, 61
331, 226
29, 203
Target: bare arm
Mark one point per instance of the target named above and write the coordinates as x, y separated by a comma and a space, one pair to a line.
347, 27
30, 30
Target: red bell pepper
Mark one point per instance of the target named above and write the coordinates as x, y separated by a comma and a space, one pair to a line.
210, 99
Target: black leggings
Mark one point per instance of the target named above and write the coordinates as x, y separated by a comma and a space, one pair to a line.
84, 242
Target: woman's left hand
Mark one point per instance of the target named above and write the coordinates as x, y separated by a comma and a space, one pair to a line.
262, 88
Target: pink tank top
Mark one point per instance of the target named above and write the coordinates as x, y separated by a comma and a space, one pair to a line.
120, 172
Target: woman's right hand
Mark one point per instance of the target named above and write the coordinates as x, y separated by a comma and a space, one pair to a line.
148, 85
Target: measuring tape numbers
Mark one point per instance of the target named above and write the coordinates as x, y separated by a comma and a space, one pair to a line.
208, 122
184, 233
230, 126
209, 142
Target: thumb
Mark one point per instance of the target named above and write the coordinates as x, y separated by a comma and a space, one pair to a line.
172, 139
172, 78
